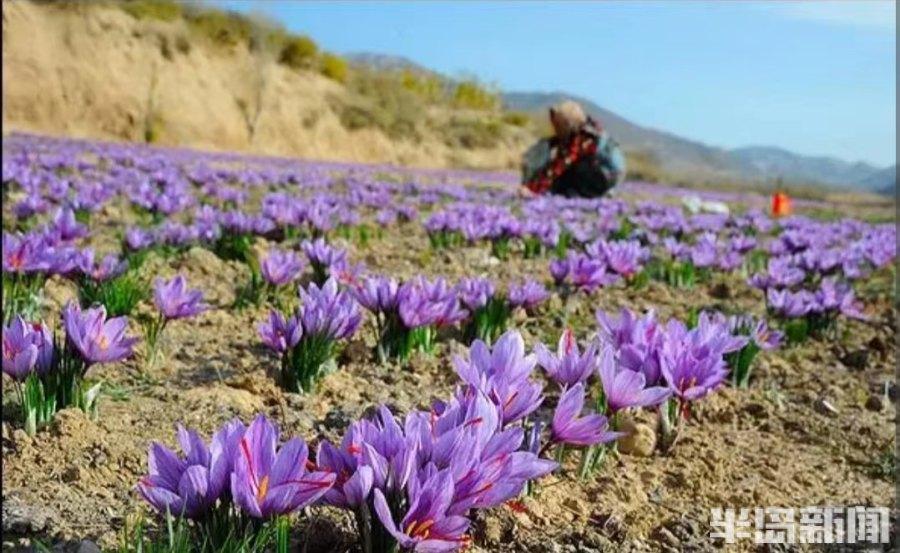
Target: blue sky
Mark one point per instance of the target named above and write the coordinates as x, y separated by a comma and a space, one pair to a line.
816, 78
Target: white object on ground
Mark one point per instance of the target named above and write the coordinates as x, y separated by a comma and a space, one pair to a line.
695, 205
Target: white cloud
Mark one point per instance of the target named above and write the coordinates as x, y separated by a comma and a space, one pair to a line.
872, 14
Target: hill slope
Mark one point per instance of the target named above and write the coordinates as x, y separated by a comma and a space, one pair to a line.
91, 70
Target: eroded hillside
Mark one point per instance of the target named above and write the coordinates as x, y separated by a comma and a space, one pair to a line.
97, 71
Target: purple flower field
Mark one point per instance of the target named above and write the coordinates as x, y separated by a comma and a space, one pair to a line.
250, 353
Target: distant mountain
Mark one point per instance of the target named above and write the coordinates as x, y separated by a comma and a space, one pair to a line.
766, 160
884, 181
682, 156
387, 62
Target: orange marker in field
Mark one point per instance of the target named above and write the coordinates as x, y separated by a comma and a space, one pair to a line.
781, 204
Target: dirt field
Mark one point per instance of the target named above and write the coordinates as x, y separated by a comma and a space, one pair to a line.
816, 427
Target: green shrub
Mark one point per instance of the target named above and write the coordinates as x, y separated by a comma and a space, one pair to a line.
430, 88
272, 39
472, 133
153, 129
162, 10
379, 100
182, 44
334, 67
516, 118
298, 52
470, 94
226, 28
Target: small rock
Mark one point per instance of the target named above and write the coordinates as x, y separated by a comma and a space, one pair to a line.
8, 442
666, 536
356, 352
20, 438
856, 360
73, 473
720, 291
19, 518
878, 345
575, 506
336, 419
70, 422
519, 316
608, 525
875, 403
640, 440
756, 410
826, 408
87, 546
493, 530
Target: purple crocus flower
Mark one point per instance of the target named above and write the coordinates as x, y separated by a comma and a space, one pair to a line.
678, 250
137, 238
109, 268
66, 227
280, 267
569, 427
765, 338
321, 254
502, 374
559, 270
625, 257
475, 292
588, 274
636, 340
268, 482
279, 334
23, 253
27, 348
382, 446
715, 332
527, 295
624, 388
838, 297
426, 527
783, 273
568, 366
352, 483
426, 303
704, 251
190, 486
96, 339
789, 304
328, 311
378, 294
690, 366
175, 301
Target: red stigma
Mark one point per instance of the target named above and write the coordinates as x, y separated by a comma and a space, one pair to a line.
477, 420
516, 506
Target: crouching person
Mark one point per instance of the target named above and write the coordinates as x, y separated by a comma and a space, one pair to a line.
580, 160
